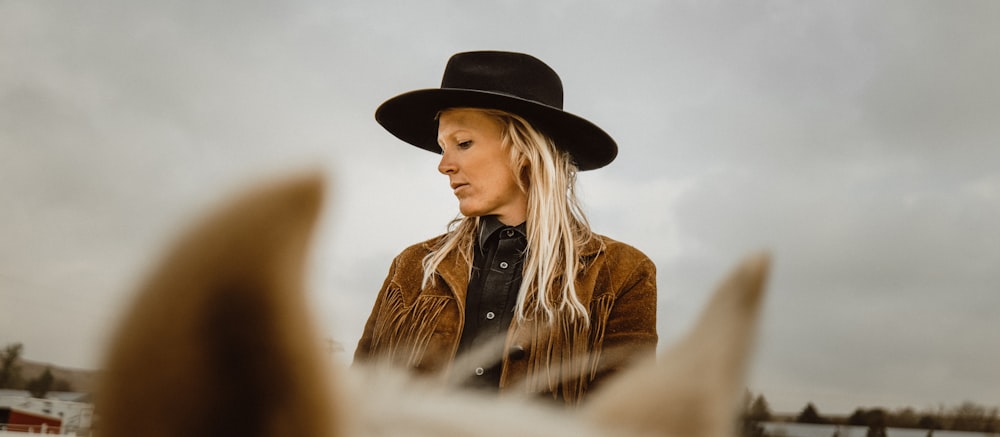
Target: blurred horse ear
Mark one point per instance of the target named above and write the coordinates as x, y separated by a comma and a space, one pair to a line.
695, 388
217, 341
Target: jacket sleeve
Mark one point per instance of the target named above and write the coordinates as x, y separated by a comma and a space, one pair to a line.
365, 351
630, 331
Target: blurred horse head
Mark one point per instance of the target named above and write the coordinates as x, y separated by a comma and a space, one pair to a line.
220, 342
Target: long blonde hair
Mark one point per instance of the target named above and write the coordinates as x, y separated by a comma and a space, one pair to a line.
556, 226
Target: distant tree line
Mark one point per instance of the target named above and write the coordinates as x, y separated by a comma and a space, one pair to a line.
755, 412
968, 416
10, 374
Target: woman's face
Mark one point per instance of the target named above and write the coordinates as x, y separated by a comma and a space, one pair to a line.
478, 168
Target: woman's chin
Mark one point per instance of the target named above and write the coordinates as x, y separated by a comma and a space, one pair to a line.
469, 211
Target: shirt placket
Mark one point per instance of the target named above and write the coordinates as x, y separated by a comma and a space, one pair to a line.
499, 288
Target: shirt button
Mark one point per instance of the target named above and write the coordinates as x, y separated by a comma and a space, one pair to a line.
490, 315
480, 371
503, 264
510, 232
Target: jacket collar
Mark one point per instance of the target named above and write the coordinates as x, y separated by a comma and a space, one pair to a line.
455, 271
593, 247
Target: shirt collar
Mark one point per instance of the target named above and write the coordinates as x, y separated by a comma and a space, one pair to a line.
490, 224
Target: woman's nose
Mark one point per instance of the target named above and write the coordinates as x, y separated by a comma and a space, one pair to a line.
447, 165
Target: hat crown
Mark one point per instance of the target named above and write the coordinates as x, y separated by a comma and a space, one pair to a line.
513, 74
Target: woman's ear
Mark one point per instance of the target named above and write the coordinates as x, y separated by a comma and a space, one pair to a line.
525, 177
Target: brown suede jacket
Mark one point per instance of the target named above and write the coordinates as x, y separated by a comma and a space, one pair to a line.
420, 329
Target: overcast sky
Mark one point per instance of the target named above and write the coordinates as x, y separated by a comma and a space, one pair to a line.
859, 141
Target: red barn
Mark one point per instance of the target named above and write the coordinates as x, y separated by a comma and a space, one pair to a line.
16, 419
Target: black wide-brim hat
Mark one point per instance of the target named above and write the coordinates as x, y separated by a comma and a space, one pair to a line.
513, 82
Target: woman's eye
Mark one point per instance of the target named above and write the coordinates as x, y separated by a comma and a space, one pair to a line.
465, 144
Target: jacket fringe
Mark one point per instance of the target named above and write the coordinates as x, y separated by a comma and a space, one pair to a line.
407, 329
561, 363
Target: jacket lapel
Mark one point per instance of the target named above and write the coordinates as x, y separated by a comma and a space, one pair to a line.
455, 272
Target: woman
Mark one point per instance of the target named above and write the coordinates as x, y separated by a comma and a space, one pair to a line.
520, 294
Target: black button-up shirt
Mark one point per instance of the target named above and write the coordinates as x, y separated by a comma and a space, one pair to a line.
490, 298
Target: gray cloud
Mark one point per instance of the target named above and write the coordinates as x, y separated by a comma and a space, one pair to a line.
855, 140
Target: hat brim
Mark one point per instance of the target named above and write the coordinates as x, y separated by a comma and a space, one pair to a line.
411, 118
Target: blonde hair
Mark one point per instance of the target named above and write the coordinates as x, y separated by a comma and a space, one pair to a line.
556, 225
